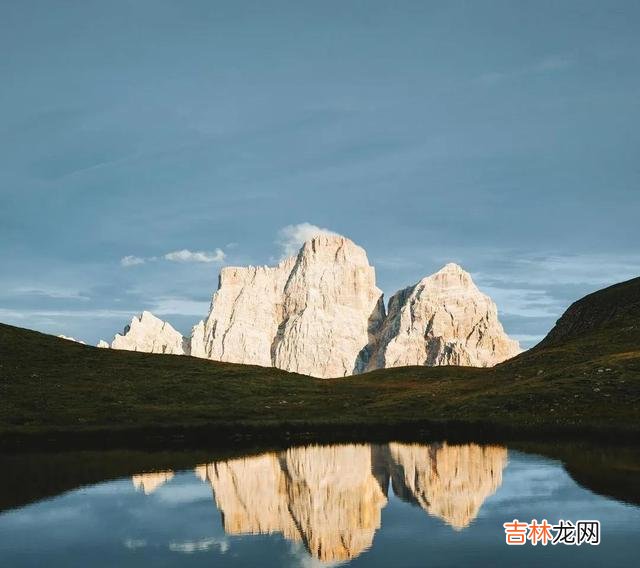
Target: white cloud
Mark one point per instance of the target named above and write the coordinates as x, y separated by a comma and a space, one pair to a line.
186, 255
170, 305
97, 313
523, 302
292, 237
191, 546
591, 269
131, 260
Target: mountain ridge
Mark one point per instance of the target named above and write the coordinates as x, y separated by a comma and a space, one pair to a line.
320, 313
58, 390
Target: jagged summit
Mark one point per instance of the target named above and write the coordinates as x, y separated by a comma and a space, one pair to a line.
442, 320
320, 313
312, 313
150, 334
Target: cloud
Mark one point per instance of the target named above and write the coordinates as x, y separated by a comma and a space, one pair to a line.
97, 313
131, 260
523, 302
528, 338
191, 546
292, 237
51, 293
186, 255
170, 305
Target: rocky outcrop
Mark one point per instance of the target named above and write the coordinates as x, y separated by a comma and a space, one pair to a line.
313, 314
152, 335
102, 344
320, 314
71, 339
442, 320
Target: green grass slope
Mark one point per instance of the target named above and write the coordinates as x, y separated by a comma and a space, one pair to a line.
584, 380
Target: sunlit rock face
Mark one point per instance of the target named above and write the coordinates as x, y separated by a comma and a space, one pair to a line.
327, 497
450, 482
150, 334
314, 313
149, 482
71, 339
443, 320
102, 344
320, 313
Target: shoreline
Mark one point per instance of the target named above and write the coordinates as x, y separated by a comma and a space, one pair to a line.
246, 435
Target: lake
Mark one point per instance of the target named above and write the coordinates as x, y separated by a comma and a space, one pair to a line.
391, 504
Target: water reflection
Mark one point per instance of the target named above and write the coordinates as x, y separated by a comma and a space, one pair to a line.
449, 482
404, 504
330, 498
149, 482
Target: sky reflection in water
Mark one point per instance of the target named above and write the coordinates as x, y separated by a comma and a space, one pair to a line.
376, 505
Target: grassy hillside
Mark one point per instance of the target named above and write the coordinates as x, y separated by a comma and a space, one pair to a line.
587, 381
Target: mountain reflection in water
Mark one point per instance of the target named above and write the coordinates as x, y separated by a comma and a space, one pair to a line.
330, 497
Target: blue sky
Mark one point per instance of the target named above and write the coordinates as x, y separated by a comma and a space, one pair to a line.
500, 135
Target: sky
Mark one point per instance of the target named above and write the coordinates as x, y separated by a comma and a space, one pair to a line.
144, 144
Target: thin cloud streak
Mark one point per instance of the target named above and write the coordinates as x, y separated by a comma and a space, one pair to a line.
184, 256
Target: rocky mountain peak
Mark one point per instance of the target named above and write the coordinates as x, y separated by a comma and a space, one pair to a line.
312, 313
320, 313
450, 277
150, 334
442, 320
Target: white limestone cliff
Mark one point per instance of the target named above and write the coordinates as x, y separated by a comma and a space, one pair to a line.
71, 339
320, 313
443, 320
103, 344
313, 314
150, 334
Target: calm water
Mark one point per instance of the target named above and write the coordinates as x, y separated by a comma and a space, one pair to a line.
364, 505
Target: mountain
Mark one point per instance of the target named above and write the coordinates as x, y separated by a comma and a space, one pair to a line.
321, 314
585, 382
442, 320
615, 306
150, 334
312, 314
